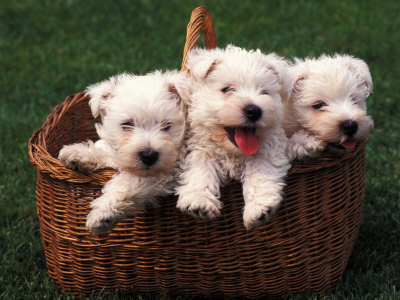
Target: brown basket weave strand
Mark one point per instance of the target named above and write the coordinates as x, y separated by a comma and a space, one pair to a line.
305, 246
200, 22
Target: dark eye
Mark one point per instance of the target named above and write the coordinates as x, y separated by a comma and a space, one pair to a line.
264, 92
128, 125
227, 89
166, 126
319, 105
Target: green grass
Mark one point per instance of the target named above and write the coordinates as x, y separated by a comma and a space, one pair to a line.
49, 49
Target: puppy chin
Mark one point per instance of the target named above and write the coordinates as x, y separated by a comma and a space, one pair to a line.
338, 149
221, 138
165, 166
144, 172
230, 147
333, 148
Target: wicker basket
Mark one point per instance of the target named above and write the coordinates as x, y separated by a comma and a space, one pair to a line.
305, 246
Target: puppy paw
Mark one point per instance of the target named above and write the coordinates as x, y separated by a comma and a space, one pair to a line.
200, 206
256, 214
100, 221
303, 145
316, 146
74, 158
68, 157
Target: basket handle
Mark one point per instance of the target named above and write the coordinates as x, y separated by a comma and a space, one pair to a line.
200, 21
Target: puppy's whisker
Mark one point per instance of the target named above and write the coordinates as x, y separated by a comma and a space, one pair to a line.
137, 163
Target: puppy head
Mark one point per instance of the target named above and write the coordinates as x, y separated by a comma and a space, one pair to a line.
328, 99
142, 119
236, 97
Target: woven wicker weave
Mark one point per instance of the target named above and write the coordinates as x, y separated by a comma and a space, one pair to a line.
305, 246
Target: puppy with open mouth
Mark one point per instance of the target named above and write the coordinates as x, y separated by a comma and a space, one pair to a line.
325, 107
235, 115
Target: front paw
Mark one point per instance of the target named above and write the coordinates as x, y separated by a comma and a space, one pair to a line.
69, 157
256, 214
302, 146
200, 205
73, 157
100, 221
316, 146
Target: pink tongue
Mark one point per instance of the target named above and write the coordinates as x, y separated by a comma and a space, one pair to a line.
349, 144
246, 141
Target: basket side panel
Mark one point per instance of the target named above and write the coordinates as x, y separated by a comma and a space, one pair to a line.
69, 250
305, 247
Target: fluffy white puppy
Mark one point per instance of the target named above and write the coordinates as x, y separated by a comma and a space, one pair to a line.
235, 116
325, 107
141, 135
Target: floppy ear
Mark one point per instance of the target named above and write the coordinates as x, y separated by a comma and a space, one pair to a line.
100, 93
360, 69
278, 66
175, 94
201, 63
293, 87
281, 70
297, 73
178, 87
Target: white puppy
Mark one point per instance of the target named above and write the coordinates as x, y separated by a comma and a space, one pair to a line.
235, 116
141, 135
325, 107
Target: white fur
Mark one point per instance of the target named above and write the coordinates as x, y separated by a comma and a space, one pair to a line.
138, 113
341, 83
253, 78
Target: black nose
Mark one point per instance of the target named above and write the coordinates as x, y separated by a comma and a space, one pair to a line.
148, 157
349, 127
252, 112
